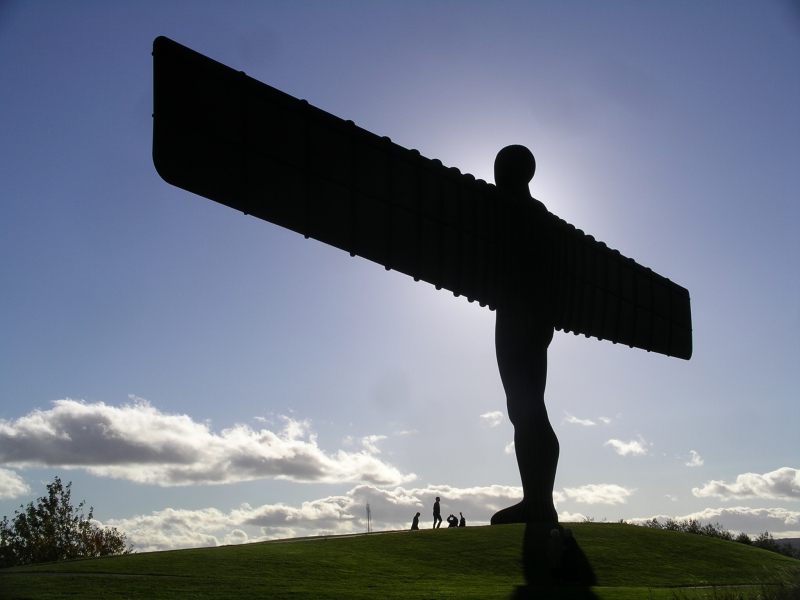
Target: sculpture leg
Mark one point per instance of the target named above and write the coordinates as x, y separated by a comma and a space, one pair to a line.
521, 342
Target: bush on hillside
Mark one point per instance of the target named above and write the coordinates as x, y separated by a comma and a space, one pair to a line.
767, 542
763, 540
54, 530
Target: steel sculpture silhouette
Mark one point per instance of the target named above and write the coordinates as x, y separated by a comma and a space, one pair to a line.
223, 135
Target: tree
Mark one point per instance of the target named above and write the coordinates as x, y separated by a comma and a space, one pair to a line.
767, 542
54, 530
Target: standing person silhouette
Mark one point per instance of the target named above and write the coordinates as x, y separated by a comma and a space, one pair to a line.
437, 514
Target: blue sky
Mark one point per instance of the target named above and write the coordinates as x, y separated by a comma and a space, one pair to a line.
203, 377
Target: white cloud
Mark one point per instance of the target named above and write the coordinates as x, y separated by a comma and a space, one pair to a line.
602, 493
171, 528
370, 443
606, 420
634, 447
510, 448
391, 509
572, 419
783, 484
568, 517
780, 522
695, 460
12, 485
139, 443
492, 419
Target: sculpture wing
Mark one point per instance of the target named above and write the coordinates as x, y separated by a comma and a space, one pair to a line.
599, 292
223, 135
232, 139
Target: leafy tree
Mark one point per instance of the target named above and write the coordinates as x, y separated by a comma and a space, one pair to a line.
743, 538
53, 529
767, 542
652, 524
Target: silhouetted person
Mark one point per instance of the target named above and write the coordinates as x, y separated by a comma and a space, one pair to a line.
569, 558
523, 331
415, 522
463, 521
437, 514
452, 521
554, 550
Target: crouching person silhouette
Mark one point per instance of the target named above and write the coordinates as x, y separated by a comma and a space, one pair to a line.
415, 523
452, 521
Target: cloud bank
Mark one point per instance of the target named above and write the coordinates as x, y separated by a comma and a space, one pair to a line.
781, 522
392, 509
782, 484
139, 443
601, 493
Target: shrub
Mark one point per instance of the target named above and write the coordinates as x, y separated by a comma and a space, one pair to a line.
54, 530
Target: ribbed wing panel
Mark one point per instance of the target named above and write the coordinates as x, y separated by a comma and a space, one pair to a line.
232, 139
598, 292
225, 136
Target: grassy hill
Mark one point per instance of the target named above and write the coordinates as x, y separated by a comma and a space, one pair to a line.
619, 561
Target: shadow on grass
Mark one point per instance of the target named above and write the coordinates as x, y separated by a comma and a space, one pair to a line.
540, 582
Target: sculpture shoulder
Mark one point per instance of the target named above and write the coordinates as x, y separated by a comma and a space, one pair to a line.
538, 208
537, 214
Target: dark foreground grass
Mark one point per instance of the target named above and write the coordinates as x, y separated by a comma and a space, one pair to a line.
620, 562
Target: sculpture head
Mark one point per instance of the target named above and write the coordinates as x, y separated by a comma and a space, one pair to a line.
514, 168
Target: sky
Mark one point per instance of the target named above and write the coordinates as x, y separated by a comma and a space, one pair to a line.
206, 378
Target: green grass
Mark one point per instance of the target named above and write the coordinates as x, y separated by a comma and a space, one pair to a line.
621, 561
